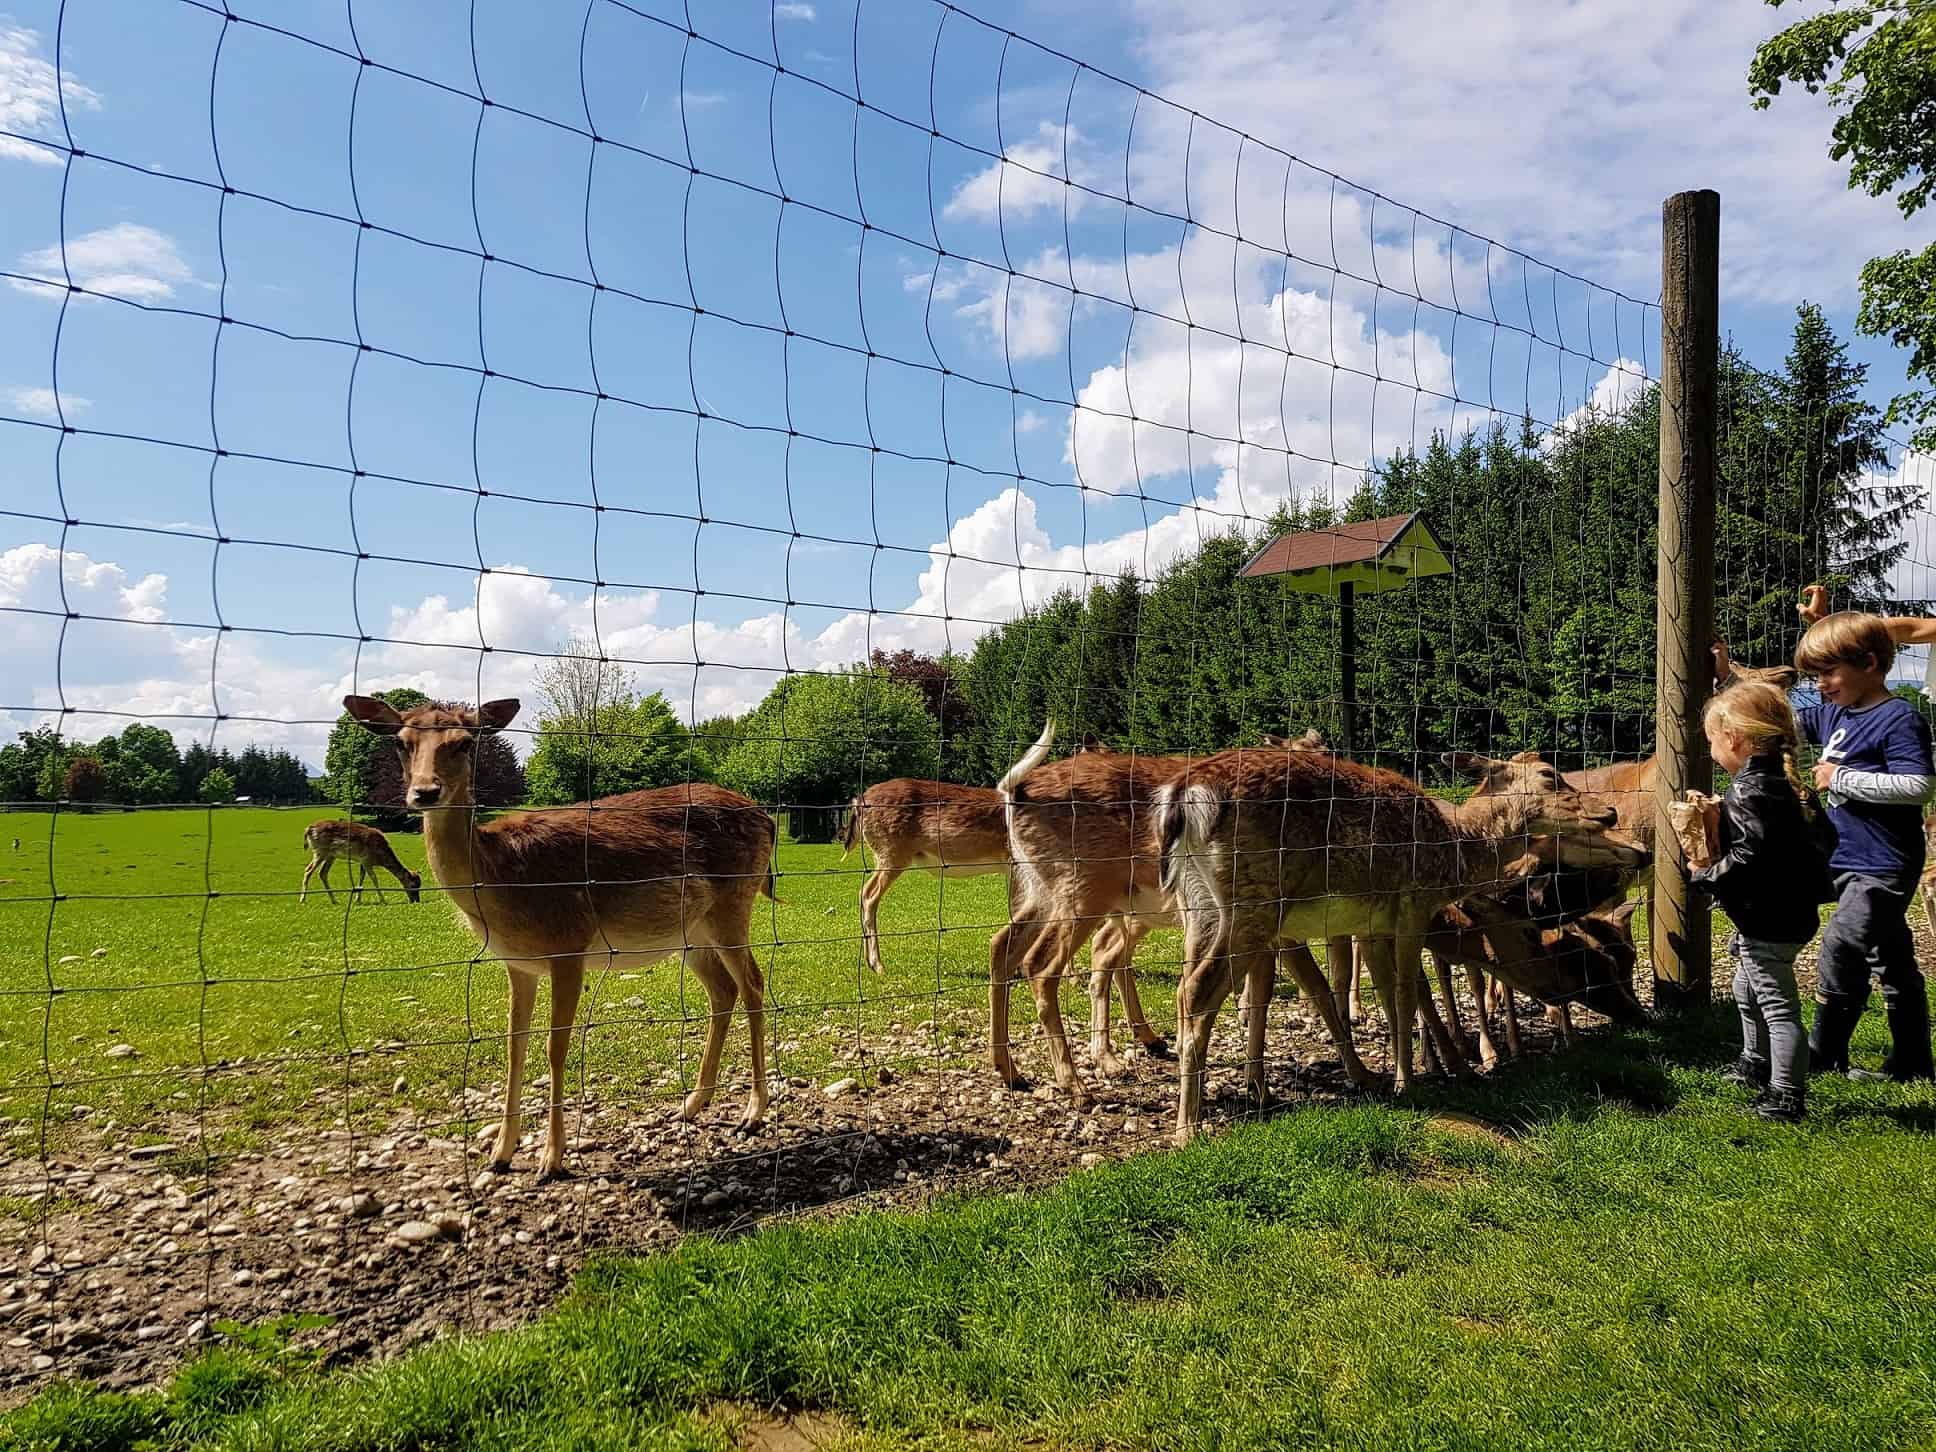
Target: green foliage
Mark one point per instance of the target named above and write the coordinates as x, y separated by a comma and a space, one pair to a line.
1876, 62
817, 740
629, 745
217, 787
1543, 637
85, 780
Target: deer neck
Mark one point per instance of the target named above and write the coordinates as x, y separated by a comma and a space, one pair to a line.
455, 850
1488, 832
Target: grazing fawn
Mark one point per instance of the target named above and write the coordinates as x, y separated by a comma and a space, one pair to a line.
1261, 847
364, 848
616, 883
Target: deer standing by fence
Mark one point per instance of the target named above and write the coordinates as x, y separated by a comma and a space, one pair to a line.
1262, 847
364, 848
615, 884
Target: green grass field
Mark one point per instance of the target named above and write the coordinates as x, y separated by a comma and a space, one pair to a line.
227, 987
1627, 1260
1635, 1263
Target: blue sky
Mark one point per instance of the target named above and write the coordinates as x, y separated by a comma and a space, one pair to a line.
727, 311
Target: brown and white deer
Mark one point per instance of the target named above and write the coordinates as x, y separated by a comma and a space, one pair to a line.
616, 883
364, 848
1264, 847
1081, 833
936, 826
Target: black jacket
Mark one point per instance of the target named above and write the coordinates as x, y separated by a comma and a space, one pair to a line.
1772, 872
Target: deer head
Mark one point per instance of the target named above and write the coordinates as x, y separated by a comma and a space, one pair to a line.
437, 745
412, 883
1597, 959
1523, 797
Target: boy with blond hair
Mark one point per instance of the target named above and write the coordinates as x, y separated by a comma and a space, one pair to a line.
1876, 772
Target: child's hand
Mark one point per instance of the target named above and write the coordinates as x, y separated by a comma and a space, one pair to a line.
1814, 603
1824, 774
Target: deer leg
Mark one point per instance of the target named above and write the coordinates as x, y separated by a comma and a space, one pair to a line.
376, 883
1002, 959
1207, 980
1153, 1043
1104, 955
747, 977
1455, 1027
305, 882
524, 995
1446, 1049
1260, 981
1049, 956
323, 873
1378, 962
1343, 975
1310, 979
1560, 1015
1406, 949
567, 982
713, 976
1513, 1046
1476, 980
871, 893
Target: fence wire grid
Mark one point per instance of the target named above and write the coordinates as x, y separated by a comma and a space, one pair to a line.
802, 400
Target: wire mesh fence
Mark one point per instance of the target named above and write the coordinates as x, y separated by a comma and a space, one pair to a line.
807, 403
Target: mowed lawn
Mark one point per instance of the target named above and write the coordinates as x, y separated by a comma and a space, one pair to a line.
1628, 1261
232, 993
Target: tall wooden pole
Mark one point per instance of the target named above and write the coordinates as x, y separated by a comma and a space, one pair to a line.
1690, 280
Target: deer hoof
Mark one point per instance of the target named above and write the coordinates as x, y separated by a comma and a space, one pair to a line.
550, 1172
695, 1105
1159, 1049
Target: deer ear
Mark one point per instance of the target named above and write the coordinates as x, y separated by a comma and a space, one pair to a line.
496, 715
373, 715
1525, 756
1622, 916
1465, 760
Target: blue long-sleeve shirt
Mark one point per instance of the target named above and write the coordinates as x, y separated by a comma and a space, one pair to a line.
1876, 799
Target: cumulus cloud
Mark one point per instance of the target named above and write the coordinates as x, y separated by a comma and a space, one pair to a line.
30, 96
1032, 176
793, 10
126, 260
1543, 125
40, 403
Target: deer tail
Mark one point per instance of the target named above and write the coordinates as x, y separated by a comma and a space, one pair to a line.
1186, 821
772, 852
852, 833
1032, 758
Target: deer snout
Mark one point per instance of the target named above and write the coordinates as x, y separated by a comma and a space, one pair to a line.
426, 795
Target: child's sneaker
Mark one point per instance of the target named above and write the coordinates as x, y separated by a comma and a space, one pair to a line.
1783, 1106
1747, 1073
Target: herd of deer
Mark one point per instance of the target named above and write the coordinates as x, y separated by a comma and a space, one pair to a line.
1256, 852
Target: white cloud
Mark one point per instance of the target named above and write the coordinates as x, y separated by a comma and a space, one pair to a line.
793, 10
1030, 178
29, 98
127, 260
1618, 389
1546, 126
40, 403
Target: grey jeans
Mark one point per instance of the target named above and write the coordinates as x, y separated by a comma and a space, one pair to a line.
1771, 1010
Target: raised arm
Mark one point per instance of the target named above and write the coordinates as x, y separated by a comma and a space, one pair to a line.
1903, 629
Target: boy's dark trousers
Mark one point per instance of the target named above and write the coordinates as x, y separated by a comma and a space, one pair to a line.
1869, 934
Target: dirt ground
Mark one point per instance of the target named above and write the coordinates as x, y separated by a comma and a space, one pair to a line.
127, 1259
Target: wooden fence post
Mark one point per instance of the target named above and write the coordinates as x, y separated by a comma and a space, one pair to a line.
1690, 277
